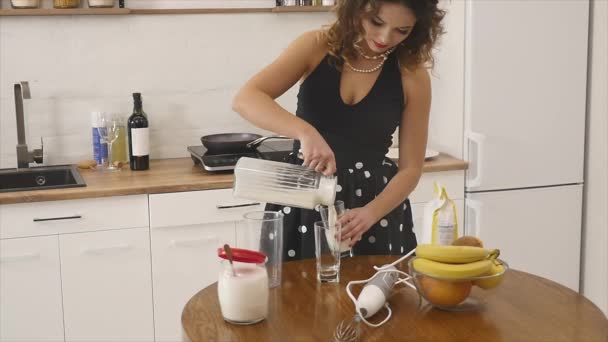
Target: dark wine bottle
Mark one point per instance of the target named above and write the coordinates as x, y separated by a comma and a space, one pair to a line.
139, 136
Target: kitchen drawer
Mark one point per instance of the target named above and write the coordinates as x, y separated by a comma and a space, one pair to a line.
453, 181
70, 216
196, 207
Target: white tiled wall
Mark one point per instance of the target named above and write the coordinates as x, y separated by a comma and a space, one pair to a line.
187, 67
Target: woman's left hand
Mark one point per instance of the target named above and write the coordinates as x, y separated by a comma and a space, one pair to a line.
355, 222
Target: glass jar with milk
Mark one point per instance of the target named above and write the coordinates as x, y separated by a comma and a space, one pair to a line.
242, 286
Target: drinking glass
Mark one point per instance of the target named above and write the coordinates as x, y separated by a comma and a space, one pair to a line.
330, 214
262, 231
119, 149
327, 251
108, 129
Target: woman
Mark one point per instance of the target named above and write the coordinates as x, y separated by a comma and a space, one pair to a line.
361, 78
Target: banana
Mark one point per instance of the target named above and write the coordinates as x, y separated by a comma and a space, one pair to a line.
452, 254
452, 271
497, 271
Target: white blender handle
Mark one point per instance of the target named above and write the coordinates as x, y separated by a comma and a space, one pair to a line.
475, 206
478, 139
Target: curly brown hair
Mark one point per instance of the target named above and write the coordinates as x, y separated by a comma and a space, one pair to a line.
414, 51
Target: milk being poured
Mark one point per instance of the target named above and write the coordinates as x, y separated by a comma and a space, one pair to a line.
330, 234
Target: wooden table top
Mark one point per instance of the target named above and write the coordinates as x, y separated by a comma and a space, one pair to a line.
523, 308
165, 175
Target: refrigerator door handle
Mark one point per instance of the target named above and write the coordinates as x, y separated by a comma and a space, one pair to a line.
478, 139
473, 228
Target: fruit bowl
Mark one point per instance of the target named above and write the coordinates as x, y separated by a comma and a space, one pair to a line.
462, 294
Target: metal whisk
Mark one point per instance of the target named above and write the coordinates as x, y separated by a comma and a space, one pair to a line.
348, 330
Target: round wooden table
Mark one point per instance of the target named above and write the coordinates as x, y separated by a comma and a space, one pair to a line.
523, 308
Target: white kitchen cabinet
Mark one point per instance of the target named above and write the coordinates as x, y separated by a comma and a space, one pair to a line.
184, 261
186, 230
107, 294
30, 290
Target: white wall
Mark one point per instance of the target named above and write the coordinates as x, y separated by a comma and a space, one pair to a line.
595, 234
188, 68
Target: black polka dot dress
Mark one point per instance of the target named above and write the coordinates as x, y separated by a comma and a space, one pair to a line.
360, 136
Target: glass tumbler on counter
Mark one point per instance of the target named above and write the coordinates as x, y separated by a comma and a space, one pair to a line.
327, 251
262, 231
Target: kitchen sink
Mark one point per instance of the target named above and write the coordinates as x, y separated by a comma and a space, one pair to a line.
40, 178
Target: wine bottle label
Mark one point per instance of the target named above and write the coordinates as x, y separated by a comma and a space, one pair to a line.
140, 141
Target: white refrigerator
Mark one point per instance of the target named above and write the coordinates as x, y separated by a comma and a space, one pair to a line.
525, 98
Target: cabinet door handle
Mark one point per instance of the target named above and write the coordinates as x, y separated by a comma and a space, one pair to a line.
58, 218
20, 257
193, 242
236, 205
102, 250
473, 226
478, 139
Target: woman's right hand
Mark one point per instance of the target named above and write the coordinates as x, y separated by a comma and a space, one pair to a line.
316, 153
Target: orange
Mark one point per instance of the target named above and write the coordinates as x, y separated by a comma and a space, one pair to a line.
444, 292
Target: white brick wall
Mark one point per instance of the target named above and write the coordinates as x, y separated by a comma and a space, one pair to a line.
187, 67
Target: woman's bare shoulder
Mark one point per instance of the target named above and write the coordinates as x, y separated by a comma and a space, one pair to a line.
415, 77
312, 46
314, 41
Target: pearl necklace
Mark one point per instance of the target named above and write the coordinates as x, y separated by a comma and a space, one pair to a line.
367, 70
374, 57
384, 57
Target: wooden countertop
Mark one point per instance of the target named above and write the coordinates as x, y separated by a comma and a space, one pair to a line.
165, 175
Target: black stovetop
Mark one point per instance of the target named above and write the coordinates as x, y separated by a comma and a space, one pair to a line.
270, 150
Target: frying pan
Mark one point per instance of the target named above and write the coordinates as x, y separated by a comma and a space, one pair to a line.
234, 142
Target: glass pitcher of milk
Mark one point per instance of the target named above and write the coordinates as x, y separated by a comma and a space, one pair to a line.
242, 287
282, 183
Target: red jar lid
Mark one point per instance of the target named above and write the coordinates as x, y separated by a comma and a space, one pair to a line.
243, 255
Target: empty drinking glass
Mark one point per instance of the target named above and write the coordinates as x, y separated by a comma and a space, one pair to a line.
262, 231
327, 251
108, 129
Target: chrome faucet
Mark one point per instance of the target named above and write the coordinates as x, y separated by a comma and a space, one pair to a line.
24, 156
